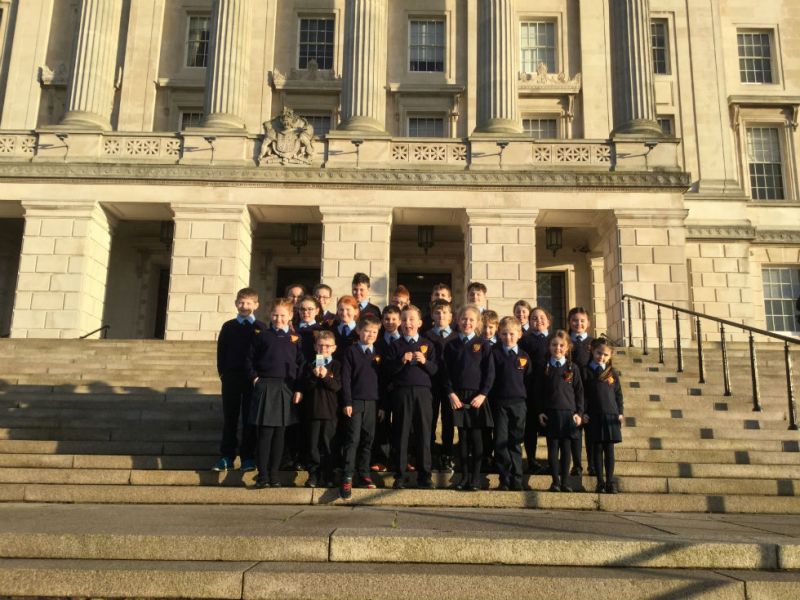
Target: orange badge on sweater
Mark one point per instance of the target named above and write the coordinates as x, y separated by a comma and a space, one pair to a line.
423, 349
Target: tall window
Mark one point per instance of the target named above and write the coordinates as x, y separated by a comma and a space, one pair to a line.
667, 125
658, 35
426, 45
538, 44
320, 123
546, 129
197, 41
426, 127
755, 56
781, 290
316, 42
764, 161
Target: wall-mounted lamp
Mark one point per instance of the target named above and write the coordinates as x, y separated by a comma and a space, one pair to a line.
425, 237
63, 137
357, 143
502, 144
210, 139
298, 235
554, 239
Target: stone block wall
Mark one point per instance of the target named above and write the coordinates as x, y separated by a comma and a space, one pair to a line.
760, 258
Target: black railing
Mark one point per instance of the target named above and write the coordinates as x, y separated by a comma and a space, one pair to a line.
103, 332
722, 323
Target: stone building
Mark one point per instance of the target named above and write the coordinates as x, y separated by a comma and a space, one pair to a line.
157, 155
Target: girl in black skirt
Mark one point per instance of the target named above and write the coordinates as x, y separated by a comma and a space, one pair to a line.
468, 376
562, 404
604, 411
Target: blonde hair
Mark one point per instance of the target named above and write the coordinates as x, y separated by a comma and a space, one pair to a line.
473, 308
509, 323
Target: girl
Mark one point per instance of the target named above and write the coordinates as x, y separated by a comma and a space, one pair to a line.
344, 327
562, 407
522, 310
309, 310
468, 377
604, 414
535, 344
274, 363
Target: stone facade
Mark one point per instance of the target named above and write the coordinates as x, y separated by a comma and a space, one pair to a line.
666, 162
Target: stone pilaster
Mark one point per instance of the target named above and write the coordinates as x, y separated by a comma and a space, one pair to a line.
598, 293
356, 241
501, 253
632, 69
211, 252
90, 97
61, 286
364, 68
498, 57
228, 69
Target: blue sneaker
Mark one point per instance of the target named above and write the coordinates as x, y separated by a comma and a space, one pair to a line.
248, 464
223, 464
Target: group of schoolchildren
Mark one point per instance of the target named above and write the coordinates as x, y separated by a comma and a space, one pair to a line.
359, 389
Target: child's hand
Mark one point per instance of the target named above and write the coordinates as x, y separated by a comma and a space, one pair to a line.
255, 381
381, 415
577, 419
455, 403
542, 419
322, 372
420, 358
348, 411
477, 401
408, 357
297, 397
621, 420
585, 418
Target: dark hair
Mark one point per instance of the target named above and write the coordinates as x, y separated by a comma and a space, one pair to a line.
578, 310
545, 311
603, 341
441, 303
247, 292
308, 298
476, 285
368, 319
523, 303
441, 286
322, 286
392, 309
409, 307
360, 278
295, 285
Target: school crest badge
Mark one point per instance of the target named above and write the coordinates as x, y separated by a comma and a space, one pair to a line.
610, 380
294, 338
568, 375
257, 331
522, 362
377, 359
476, 347
423, 349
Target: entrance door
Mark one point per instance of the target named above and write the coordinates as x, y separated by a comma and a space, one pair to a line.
551, 294
421, 284
290, 275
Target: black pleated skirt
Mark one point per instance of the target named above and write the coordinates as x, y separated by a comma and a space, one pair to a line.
472, 417
560, 425
272, 404
604, 428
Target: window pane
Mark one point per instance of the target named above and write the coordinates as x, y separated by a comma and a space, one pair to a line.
426, 45
658, 35
190, 118
197, 41
320, 123
667, 125
765, 165
316, 43
755, 57
538, 44
780, 300
426, 127
541, 128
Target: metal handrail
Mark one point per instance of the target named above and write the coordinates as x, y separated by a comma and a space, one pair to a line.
104, 329
677, 310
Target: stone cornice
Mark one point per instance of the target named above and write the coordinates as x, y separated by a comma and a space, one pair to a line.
777, 237
248, 176
721, 232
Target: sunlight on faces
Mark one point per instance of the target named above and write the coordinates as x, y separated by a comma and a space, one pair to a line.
400, 300
539, 321
475, 296
410, 323
295, 294
489, 330
323, 297
558, 348
468, 321
442, 316
246, 306
602, 354
308, 311
509, 335
522, 314
441, 295
280, 317
361, 292
391, 322
325, 347
579, 323
368, 334
346, 312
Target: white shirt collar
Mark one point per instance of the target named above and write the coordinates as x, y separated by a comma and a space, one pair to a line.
414, 339
514, 349
251, 319
560, 362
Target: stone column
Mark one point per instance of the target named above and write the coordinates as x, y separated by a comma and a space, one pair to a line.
501, 253
598, 296
355, 242
498, 57
632, 68
90, 96
61, 286
211, 252
229, 62
364, 68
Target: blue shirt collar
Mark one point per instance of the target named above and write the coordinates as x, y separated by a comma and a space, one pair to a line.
514, 348
466, 337
351, 325
414, 339
447, 330
364, 348
280, 329
558, 362
251, 319
541, 334
593, 365
363, 303
390, 337
525, 326
578, 337
492, 340
303, 324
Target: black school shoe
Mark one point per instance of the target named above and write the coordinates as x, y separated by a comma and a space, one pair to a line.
311, 482
565, 488
600, 487
261, 484
399, 484
576, 472
611, 488
426, 484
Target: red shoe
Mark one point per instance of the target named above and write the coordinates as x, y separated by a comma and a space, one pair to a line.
378, 467
346, 491
410, 468
366, 482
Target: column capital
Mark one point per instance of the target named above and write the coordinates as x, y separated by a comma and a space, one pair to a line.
81, 209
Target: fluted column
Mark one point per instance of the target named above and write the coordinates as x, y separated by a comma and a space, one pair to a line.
498, 56
90, 98
229, 61
634, 94
364, 69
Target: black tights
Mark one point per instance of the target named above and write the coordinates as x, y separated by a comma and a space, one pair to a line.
470, 442
554, 445
270, 452
604, 454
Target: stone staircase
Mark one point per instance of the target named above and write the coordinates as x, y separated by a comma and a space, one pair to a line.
92, 432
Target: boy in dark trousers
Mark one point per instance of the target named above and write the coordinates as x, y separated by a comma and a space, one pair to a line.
441, 333
233, 344
579, 324
361, 288
360, 395
535, 344
388, 335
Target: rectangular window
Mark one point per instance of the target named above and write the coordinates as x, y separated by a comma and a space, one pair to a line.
755, 56
197, 41
190, 118
426, 45
667, 125
781, 291
320, 123
658, 35
426, 127
316, 43
764, 160
546, 129
538, 45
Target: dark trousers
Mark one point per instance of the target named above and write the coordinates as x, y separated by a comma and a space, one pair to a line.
412, 406
270, 450
470, 451
319, 435
531, 436
559, 465
441, 406
603, 454
589, 445
576, 449
359, 435
509, 431
382, 445
237, 391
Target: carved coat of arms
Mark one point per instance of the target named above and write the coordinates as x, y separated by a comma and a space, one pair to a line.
288, 139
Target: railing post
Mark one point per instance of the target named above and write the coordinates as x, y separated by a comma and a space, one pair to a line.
643, 312
726, 376
678, 345
790, 387
630, 324
700, 365
754, 374
660, 334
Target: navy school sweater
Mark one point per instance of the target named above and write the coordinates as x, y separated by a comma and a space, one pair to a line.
411, 375
233, 344
562, 388
468, 366
603, 396
360, 375
512, 377
277, 354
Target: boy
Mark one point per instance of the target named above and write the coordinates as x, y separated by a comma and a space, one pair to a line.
476, 294
323, 293
512, 374
360, 395
401, 297
535, 344
295, 292
322, 380
233, 344
441, 333
581, 354
410, 365
389, 334
490, 321
360, 286
440, 291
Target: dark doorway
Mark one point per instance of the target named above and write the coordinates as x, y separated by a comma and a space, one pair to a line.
10, 249
551, 294
290, 275
420, 285
161, 304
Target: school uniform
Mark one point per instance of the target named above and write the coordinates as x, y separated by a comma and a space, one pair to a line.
296, 434
276, 359
562, 398
367, 308
361, 367
604, 406
512, 374
535, 345
441, 403
411, 403
320, 407
346, 336
469, 372
327, 316
233, 344
581, 354
382, 445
